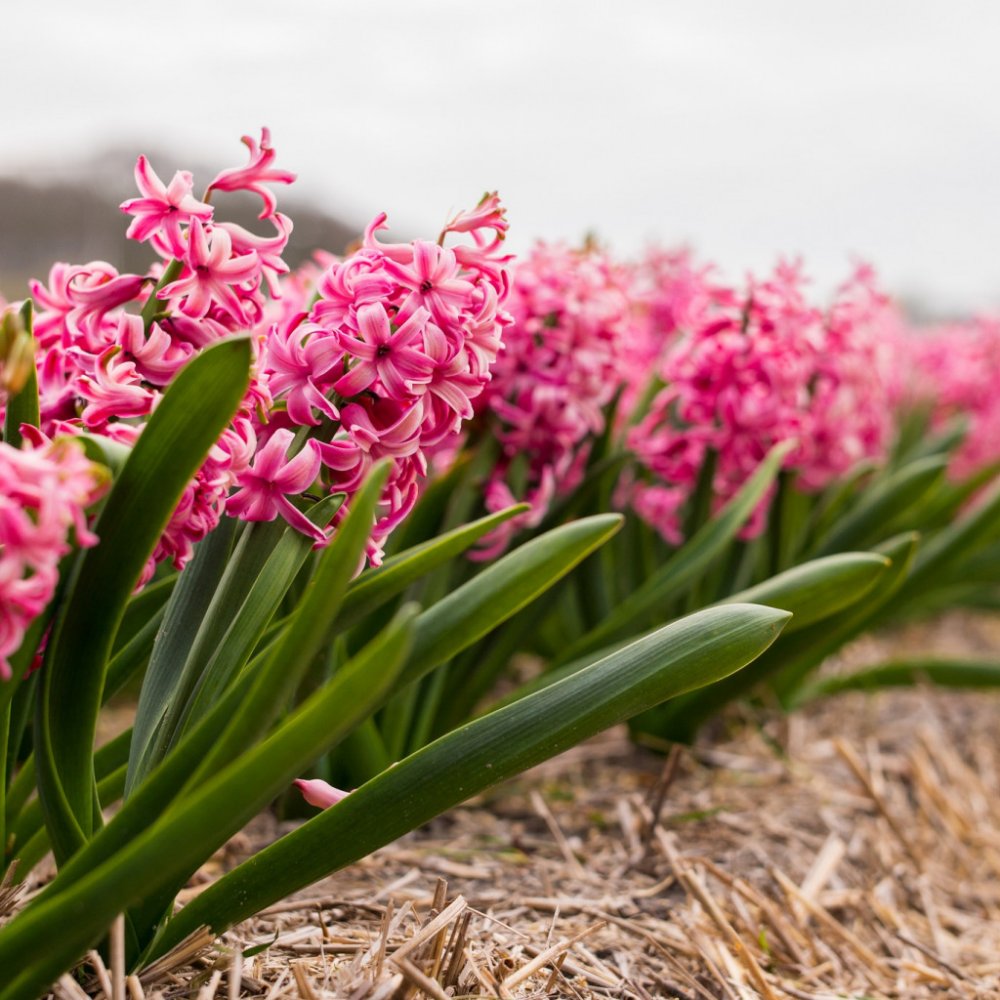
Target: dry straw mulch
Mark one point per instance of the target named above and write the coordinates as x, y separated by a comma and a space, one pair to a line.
852, 850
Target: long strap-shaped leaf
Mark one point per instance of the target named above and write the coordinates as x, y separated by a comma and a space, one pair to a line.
192, 414
502, 589
790, 660
887, 500
960, 674
194, 827
376, 586
694, 651
810, 592
688, 563
243, 713
185, 610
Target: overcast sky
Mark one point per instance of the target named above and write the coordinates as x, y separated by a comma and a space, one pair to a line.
749, 129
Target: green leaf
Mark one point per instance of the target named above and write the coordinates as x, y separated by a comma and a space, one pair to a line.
376, 586
142, 607
244, 630
947, 549
502, 589
810, 592
192, 828
183, 617
962, 674
838, 498
819, 588
887, 500
23, 407
306, 632
192, 414
687, 564
791, 660
686, 654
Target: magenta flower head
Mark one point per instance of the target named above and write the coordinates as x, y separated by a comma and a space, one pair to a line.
397, 342
563, 360
377, 355
951, 369
754, 369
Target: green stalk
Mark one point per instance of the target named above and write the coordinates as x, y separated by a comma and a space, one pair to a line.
4, 750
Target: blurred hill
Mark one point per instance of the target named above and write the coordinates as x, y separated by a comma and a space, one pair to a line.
48, 219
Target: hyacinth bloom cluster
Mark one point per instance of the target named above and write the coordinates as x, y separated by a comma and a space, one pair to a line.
379, 354
45, 490
385, 362
755, 369
109, 344
561, 365
952, 368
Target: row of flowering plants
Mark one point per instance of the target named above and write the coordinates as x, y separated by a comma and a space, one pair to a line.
821, 458
245, 491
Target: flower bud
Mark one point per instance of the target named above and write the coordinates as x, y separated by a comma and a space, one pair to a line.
17, 352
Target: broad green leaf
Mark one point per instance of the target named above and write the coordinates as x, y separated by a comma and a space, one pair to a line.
183, 617
248, 625
817, 589
688, 563
142, 606
192, 414
790, 661
694, 651
839, 497
946, 549
306, 632
810, 592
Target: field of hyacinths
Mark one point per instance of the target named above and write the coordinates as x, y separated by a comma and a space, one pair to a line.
310, 516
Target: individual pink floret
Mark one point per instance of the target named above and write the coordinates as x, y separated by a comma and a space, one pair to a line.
257, 174
264, 488
163, 209
211, 270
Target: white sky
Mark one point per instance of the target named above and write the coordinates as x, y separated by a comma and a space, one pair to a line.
748, 128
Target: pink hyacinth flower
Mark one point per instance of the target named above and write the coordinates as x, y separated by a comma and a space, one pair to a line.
319, 793
256, 174
163, 209
271, 479
385, 354
211, 273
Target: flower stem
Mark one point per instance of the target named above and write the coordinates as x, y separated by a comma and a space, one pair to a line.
170, 273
